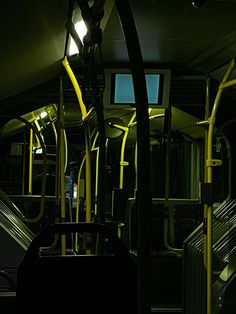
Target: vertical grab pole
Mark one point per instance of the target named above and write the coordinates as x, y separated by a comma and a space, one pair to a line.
122, 153
87, 137
167, 131
94, 148
88, 171
23, 166
207, 110
30, 162
209, 164
62, 164
101, 162
143, 155
83, 109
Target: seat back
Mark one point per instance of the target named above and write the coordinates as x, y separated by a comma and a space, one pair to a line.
89, 283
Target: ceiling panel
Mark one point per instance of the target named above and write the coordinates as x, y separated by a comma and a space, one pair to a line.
32, 43
175, 33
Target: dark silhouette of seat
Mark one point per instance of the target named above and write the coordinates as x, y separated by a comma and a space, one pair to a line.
86, 283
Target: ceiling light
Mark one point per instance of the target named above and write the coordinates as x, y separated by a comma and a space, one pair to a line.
43, 114
81, 30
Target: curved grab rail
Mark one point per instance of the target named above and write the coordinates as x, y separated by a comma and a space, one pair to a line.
6, 198
87, 136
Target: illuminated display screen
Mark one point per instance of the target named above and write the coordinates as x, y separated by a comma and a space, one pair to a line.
123, 89
119, 88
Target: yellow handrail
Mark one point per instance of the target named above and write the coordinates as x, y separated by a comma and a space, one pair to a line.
65, 149
122, 153
207, 109
93, 148
62, 165
42, 204
76, 86
78, 201
30, 162
209, 165
87, 137
123, 163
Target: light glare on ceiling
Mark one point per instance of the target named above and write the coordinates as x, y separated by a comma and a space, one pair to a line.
81, 30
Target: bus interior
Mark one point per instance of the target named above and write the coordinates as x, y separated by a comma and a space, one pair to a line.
117, 162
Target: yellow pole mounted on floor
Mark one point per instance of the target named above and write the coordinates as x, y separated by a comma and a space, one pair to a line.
30, 162
78, 202
210, 162
123, 163
87, 137
207, 110
42, 204
94, 148
62, 158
